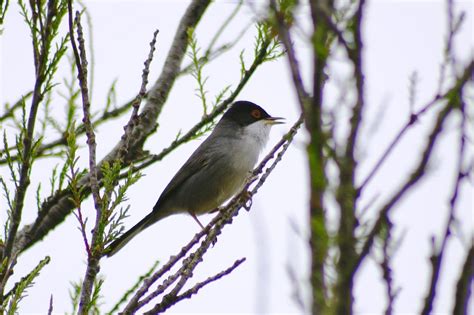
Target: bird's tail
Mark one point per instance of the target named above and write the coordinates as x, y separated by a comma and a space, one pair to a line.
127, 236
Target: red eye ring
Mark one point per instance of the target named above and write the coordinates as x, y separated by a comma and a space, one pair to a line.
256, 114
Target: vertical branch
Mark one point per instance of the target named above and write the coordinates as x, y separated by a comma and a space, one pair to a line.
101, 203
93, 258
81, 62
311, 108
319, 234
346, 193
134, 118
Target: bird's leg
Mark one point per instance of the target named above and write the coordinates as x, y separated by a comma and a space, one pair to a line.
197, 220
251, 178
217, 209
202, 227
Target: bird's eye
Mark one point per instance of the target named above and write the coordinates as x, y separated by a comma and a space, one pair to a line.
256, 114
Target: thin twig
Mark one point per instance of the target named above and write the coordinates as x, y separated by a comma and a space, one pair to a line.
385, 264
50, 308
414, 117
93, 266
438, 254
419, 171
134, 119
161, 307
82, 229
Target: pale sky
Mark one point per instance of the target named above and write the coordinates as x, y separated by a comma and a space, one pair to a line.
400, 37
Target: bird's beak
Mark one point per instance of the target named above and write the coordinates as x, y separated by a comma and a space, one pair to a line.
274, 120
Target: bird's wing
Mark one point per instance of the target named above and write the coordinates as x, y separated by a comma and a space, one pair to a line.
198, 160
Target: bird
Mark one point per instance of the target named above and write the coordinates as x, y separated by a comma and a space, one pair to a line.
216, 171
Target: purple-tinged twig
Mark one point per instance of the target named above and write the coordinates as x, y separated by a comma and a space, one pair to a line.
93, 266
161, 307
81, 62
134, 118
50, 308
453, 96
387, 272
438, 254
82, 228
414, 117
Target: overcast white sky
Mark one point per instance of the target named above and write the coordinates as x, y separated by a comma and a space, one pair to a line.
400, 37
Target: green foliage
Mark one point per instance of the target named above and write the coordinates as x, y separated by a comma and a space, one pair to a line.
75, 175
197, 69
94, 303
114, 195
266, 39
44, 20
75, 295
267, 47
3, 11
13, 173
111, 100
320, 44
14, 165
18, 292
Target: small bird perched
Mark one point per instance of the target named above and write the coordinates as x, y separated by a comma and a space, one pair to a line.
215, 172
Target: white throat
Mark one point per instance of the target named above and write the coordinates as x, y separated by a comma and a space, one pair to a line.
257, 134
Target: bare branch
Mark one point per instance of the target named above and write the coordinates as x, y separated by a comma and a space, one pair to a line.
93, 266
452, 102
438, 254
134, 119
161, 307
346, 192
